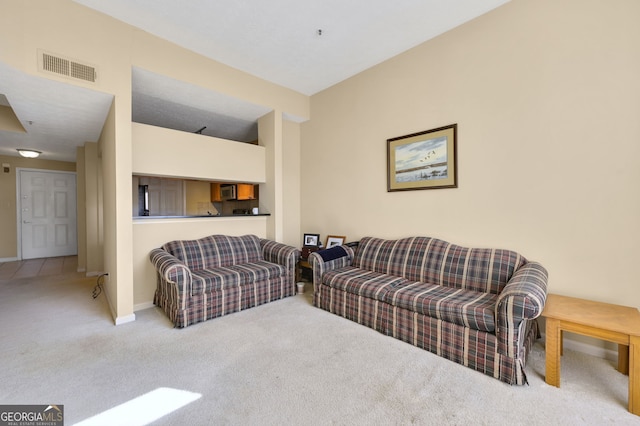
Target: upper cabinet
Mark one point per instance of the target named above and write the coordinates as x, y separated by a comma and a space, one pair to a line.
215, 192
243, 191
246, 191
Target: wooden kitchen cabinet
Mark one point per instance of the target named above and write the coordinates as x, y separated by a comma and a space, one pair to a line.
215, 192
245, 191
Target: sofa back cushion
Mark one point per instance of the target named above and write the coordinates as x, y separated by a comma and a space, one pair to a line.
439, 262
216, 250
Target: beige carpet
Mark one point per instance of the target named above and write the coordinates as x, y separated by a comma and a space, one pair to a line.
281, 363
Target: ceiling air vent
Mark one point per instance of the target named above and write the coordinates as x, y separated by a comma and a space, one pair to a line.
67, 67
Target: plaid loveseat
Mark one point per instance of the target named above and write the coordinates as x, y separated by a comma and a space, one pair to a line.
476, 307
216, 275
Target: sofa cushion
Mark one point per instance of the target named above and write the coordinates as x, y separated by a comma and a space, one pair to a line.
209, 280
216, 250
373, 285
220, 278
439, 262
260, 270
468, 308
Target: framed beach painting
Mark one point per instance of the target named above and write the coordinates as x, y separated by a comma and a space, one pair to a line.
424, 160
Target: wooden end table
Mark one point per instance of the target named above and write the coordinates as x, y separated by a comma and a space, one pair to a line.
613, 323
300, 267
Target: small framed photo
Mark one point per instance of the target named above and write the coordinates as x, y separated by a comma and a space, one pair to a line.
311, 240
425, 160
334, 240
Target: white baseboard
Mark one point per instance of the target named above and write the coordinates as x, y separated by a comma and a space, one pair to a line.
116, 319
8, 259
125, 319
94, 273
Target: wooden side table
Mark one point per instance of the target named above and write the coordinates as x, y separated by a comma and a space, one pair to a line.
614, 323
300, 267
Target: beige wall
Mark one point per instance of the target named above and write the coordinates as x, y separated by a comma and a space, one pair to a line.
546, 95
67, 28
81, 211
8, 201
156, 149
151, 233
270, 132
291, 184
92, 210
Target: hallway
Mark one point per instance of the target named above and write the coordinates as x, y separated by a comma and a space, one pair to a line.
38, 267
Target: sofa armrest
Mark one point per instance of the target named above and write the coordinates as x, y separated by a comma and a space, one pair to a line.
522, 299
282, 254
171, 271
324, 261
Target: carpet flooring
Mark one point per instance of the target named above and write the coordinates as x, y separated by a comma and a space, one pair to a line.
283, 363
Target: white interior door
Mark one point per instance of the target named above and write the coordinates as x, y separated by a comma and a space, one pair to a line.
47, 214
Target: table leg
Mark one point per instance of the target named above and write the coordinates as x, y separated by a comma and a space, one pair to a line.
634, 375
623, 358
553, 346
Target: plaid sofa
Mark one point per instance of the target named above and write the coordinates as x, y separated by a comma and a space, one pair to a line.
216, 275
476, 307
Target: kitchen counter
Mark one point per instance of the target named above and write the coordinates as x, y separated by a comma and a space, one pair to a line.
200, 217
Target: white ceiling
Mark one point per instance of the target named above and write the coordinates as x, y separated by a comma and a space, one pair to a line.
278, 41
162, 101
57, 116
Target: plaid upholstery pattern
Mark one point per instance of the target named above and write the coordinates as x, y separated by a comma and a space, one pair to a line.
476, 307
363, 310
170, 269
472, 348
439, 262
463, 307
280, 254
319, 266
523, 298
224, 277
216, 250
362, 282
219, 274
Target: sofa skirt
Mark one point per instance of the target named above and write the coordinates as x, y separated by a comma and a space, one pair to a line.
202, 307
471, 348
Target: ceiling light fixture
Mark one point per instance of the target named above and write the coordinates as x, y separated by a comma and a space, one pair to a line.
29, 153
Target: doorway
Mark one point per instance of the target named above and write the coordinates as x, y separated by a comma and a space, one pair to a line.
47, 213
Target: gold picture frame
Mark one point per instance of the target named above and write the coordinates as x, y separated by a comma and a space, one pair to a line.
424, 160
334, 240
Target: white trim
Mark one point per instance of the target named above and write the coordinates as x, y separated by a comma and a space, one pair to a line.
124, 320
8, 259
18, 203
116, 319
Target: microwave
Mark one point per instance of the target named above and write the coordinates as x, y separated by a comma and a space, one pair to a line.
228, 192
